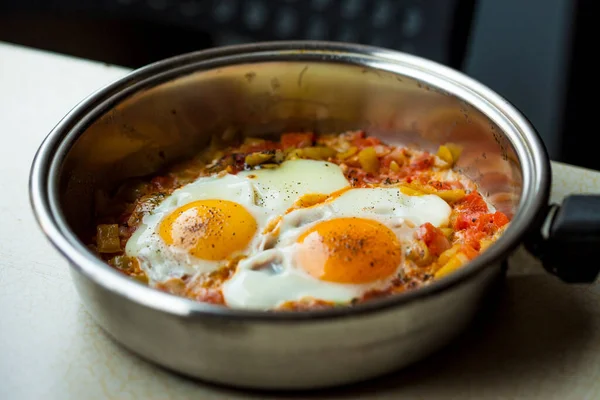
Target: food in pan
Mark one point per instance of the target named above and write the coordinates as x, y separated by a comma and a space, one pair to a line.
297, 222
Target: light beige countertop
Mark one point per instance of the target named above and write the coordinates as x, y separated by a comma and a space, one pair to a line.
540, 340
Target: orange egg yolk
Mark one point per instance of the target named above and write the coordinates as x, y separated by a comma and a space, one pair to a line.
349, 250
209, 229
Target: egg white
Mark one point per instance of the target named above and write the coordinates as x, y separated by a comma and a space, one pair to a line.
268, 279
278, 189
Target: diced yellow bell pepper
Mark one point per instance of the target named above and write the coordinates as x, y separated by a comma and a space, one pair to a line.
394, 166
409, 191
448, 254
485, 243
451, 195
445, 154
368, 160
452, 265
456, 151
347, 154
258, 158
449, 152
107, 238
317, 153
447, 231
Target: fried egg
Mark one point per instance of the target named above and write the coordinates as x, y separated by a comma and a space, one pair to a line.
334, 251
201, 226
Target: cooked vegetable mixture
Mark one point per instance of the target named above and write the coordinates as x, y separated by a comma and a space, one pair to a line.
299, 222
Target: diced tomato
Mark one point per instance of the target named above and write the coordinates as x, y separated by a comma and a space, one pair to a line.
479, 226
304, 305
122, 219
239, 160
500, 219
208, 295
172, 285
464, 221
424, 161
375, 294
434, 238
455, 184
396, 154
473, 238
351, 136
234, 169
361, 141
438, 185
490, 223
297, 140
469, 210
359, 177
472, 203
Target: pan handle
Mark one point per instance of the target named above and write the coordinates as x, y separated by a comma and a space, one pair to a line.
568, 243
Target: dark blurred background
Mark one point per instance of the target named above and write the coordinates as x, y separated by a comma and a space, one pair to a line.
536, 53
